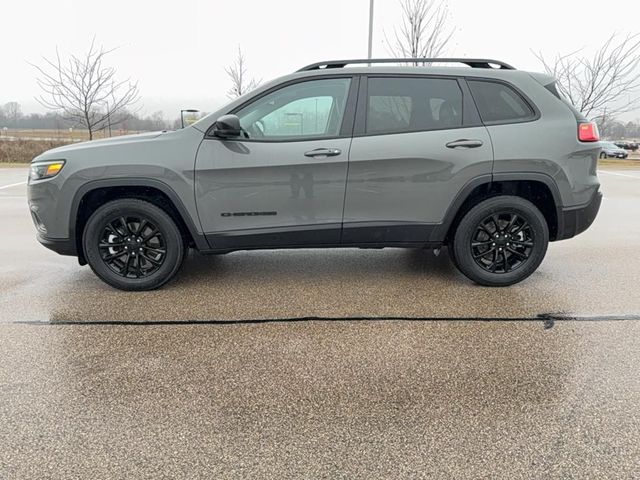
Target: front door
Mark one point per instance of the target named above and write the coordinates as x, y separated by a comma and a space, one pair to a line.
284, 185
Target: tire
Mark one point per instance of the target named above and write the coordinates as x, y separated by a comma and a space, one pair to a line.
516, 252
603, 155
452, 255
133, 245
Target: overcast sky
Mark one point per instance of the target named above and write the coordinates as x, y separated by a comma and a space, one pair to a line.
178, 49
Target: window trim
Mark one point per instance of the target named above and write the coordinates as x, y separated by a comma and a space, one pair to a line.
346, 127
536, 112
470, 115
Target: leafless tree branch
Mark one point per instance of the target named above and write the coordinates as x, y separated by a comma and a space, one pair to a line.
423, 32
237, 72
601, 86
85, 91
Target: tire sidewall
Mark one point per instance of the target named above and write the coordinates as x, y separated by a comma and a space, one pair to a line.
467, 227
133, 207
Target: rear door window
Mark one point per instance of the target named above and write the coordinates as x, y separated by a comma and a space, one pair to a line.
499, 103
397, 105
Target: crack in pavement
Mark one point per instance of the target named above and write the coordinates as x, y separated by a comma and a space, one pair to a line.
549, 319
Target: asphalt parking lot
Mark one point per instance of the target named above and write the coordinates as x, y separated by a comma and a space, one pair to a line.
324, 364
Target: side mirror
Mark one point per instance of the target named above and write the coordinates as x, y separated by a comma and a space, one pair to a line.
227, 126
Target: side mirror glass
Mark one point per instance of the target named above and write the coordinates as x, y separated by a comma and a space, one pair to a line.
227, 126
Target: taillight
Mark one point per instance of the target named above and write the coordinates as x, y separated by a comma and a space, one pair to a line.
588, 132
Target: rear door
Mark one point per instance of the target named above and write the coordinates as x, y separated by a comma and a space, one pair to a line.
284, 185
418, 140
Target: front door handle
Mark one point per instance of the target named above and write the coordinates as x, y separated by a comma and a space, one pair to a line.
464, 143
323, 152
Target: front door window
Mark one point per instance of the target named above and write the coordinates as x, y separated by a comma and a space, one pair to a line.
305, 110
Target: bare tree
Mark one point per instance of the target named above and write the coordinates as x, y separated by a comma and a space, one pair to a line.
157, 120
604, 85
423, 33
13, 113
237, 72
85, 91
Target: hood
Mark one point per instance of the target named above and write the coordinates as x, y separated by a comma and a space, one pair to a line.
121, 140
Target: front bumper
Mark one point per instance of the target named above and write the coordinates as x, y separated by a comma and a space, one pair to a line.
575, 220
63, 246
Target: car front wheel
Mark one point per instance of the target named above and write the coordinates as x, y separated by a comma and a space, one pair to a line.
132, 244
500, 241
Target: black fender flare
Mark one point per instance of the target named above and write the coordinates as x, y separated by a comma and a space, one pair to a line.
440, 232
198, 238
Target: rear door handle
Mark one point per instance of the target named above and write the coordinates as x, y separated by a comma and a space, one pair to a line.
464, 143
323, 152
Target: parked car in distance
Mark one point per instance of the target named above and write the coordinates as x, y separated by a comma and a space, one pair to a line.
484, 159
633, 146
612, 150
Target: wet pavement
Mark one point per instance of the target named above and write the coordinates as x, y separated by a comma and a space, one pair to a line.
538, 380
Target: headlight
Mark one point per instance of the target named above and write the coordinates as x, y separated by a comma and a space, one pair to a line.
42, 170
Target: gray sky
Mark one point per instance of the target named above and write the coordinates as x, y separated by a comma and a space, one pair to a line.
178, 50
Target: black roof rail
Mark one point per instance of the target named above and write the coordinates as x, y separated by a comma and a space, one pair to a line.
471, 62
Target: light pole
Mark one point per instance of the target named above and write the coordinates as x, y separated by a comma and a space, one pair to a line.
370, 29
189, 110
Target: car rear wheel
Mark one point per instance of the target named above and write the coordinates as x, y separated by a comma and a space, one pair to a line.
603, 155
132, 244
500, 241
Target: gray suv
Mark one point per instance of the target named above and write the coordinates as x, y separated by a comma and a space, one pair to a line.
480, 157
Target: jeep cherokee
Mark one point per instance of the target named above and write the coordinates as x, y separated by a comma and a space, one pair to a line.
482, 158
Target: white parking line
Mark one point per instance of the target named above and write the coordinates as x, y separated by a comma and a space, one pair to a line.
12, 185
619, 174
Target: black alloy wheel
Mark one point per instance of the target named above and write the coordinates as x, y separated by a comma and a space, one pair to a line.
133, 247
133, 244
500, 241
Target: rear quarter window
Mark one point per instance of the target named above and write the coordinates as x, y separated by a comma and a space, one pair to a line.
499, 103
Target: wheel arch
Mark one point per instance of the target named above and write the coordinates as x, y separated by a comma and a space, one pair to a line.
538, 188
98, 192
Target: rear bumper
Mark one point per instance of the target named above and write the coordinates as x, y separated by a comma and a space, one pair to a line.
575, 220
63, 246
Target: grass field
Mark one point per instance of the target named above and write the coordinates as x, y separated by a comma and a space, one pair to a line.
631, 162
75, 135
23, 151
21, 146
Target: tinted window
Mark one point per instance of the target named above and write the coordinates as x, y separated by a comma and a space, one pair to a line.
413, 104
308, 109
498, 102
